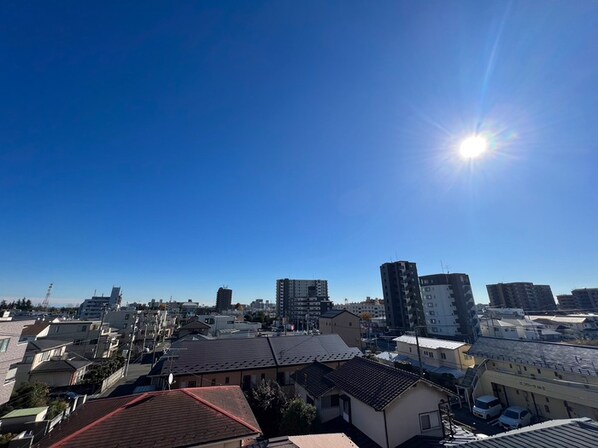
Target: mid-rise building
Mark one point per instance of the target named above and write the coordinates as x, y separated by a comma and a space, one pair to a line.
12, 350
92, 309
524, 295
566, 302
372, 307
402, 298
586, 299
449, 307
301, 301
224, 299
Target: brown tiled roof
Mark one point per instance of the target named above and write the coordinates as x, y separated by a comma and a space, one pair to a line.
177, 418
35, 329
373, 383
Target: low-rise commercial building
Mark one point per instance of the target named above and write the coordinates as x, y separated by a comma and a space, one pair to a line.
552, 380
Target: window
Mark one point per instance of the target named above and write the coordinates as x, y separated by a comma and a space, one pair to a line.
213, 382
4, 345
263, 377
84, 328
429, 420
192, 384
227, 380
546, 408
443, 355
350, 324
334, 400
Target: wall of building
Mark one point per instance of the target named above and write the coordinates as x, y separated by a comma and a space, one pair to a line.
403, 416
346, 325
14, 353
369, 421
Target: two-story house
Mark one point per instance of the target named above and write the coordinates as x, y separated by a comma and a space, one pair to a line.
47, 361
437, 355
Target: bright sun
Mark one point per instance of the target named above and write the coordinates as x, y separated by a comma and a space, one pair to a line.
473, 147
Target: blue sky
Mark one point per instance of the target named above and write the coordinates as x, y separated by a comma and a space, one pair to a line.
172, 148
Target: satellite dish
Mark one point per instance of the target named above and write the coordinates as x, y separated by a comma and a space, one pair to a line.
170, 379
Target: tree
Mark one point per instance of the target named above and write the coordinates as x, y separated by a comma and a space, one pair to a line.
267, 402
298, 418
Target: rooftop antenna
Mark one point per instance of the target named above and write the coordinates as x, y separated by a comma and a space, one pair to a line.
46, 300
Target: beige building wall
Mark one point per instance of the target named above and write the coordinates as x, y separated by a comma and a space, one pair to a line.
346, 325
547, 393
439, 357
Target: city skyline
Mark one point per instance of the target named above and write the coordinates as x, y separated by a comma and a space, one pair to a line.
174, 148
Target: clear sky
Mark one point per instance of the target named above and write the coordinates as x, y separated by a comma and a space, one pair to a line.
175, 147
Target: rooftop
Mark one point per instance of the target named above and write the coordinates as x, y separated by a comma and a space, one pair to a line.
46, 344
330, 314
176, 418
430, 342
221, 355
373, 383
577, 433
60, 366
565, 357
25, 412
313, 379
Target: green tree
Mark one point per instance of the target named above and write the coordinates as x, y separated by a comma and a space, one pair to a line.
298, 418
267, 402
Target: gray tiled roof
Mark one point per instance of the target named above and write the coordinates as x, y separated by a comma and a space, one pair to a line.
313, 379
221, 355
60, 366
572, 433
46, 344
375, 384
333, 313
303, 349
565, 357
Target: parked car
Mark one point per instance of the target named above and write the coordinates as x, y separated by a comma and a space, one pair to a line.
515, 417
487, 407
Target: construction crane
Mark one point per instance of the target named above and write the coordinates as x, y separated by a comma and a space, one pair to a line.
46, 300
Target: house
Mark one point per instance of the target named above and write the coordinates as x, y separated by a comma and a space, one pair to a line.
47, 361
512, 323
574, 433
91, 339
571, 326
39, 329
388, 405
550, 379
246, 362
437, 355
193, 327
215, 417
344, 323
12, 350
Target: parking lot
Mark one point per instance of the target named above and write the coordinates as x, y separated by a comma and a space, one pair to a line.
477, 425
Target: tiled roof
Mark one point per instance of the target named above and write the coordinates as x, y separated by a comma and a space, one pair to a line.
36, 328
195, 324
293, 350
373, 383
574, 433
60, 366
430, 342
46, 344
564, 357
176, 418
330, 314
222, 355
313, 379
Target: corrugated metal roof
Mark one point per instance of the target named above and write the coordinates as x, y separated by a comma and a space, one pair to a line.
578, 359
430, 342
570, 433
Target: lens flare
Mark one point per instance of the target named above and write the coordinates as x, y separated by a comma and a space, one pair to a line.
473, 147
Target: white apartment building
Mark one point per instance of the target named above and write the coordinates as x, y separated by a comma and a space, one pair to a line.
374, 307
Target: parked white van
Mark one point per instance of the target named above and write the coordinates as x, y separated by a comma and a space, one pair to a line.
487, 407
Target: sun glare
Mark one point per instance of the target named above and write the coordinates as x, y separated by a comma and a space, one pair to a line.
473, 147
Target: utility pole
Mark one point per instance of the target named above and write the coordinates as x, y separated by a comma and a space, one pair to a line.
419, 353
95, 351
131, 345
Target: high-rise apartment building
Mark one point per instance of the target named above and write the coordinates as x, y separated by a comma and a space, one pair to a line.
301, 301
402, 299
566, 302
224, 299
449, 307
523, 295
